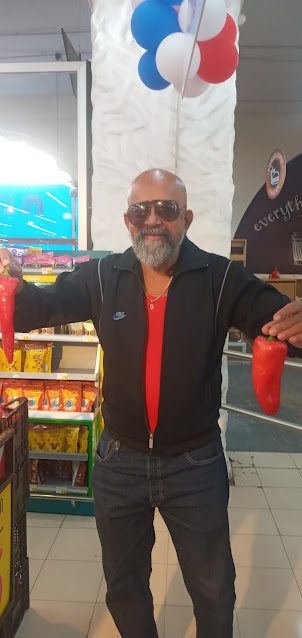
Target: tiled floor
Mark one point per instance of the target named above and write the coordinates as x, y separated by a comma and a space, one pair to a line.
68, 588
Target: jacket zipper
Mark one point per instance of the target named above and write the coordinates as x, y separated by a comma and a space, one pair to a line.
151, 435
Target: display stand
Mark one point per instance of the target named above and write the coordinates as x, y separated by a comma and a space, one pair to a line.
75, 358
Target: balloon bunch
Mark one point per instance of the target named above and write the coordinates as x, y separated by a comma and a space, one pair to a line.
163, 29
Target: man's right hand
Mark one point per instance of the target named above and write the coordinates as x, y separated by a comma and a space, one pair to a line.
13, 266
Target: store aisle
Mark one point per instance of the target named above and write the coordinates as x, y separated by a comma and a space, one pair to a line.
68, 587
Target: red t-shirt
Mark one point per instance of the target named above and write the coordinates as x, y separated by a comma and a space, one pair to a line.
153, 357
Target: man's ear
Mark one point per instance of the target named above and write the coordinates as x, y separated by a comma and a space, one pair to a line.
126, 220
188, 216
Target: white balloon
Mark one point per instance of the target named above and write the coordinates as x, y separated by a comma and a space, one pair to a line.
228, 3
194, 87
135, 3
213, 20
185, 15
173, 57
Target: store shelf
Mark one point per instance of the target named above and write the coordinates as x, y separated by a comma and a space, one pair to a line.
58, 456
57, 488
42, 415
45, 271
63, 375
24, 336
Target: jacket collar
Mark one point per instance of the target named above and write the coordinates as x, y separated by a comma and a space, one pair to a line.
191, 258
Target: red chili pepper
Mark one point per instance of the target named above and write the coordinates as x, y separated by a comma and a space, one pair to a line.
8, 287
268, 361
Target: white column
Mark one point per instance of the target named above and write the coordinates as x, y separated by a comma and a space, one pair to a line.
135, 129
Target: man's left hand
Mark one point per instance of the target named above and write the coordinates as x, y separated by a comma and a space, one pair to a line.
287, 324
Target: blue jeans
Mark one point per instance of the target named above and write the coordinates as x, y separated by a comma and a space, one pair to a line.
191, 492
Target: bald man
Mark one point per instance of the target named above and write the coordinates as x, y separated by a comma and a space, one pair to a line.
162, 311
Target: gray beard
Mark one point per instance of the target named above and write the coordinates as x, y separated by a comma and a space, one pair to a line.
154, 253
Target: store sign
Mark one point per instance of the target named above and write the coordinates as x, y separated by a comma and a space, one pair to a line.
5, 547
273, 227
275, 174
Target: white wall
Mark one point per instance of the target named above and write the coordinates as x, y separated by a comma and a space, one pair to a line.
257, 135
135, 129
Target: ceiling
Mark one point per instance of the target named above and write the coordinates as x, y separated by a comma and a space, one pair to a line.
270, 60
270, 67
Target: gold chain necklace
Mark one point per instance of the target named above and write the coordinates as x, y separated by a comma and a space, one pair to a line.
152, 301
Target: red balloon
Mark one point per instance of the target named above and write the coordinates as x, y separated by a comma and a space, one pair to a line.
229, 31
219, 60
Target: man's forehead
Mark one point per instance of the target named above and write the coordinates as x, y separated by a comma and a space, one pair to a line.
148, 190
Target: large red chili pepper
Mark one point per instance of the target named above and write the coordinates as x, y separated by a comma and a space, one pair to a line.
8, 287
268, 361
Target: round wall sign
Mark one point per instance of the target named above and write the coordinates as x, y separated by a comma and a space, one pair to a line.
275, 174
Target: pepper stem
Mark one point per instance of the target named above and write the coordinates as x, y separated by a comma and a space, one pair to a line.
271, 338
5, 273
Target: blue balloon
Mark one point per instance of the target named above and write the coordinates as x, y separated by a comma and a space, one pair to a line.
152, 22
149, 74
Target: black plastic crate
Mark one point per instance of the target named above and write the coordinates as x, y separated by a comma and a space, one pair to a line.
13, 615
18, 420
21, 489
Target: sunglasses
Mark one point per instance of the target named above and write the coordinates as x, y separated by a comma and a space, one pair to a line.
166, 209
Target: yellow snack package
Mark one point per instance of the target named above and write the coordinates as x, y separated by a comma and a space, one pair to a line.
72, 435
35, 354
48, 357
83, 439
38, 438
30, 437
15, 366
55, 439
3, 360
23, 356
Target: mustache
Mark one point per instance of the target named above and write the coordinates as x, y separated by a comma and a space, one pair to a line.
156, 230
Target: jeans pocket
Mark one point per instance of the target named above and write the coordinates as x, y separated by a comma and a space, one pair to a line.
206, 454
106, 448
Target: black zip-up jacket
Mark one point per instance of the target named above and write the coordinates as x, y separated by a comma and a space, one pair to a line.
207, 296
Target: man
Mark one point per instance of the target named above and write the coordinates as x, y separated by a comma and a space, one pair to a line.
162, 311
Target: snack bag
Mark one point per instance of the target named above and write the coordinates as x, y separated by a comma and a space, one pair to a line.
23, 356
83, 439
80, 260
38, 438
35, 354
89, 328
72, 435
3, 360
30, 261
55, 439
63, 261
12, 391
78, 473
71, 396
54, 397
48, 357
30, 442
75, 328
34, 250
89, 395
35, 395
45, 260
47, 331
34, 476
15, 366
